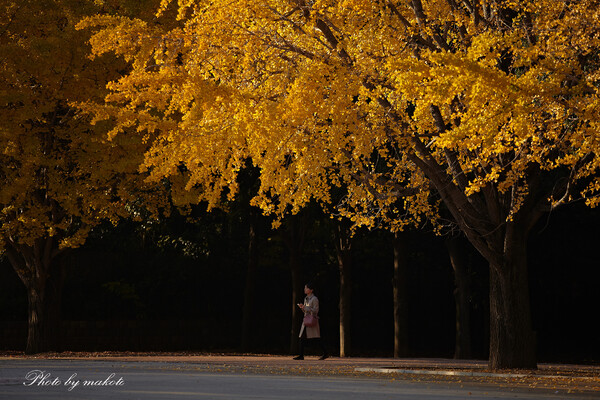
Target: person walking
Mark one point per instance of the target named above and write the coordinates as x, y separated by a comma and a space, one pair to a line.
310, 330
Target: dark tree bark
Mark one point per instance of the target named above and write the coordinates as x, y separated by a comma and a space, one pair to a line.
41, 271
512, 340
293, 235
343, 246
400, 292
250, 288
462, 294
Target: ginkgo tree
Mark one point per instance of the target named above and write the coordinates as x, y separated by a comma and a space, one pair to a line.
59, 176
485, 111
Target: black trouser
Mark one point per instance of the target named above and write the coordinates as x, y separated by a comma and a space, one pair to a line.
315, 341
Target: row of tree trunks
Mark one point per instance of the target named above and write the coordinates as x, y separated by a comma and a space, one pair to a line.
510, 322
343, 244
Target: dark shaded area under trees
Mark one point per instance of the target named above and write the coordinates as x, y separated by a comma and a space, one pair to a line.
179, 285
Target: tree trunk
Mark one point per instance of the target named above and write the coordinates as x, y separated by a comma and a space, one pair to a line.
462, 294
43, 277
297, 296
343, 246
293, 236
487, 221
249, 292
512, 340
400, 293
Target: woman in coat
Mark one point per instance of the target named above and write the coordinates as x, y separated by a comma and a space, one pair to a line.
312, 333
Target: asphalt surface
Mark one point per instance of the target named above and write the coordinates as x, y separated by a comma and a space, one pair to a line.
276, 377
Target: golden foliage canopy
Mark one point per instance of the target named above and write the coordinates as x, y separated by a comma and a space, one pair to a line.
485, 99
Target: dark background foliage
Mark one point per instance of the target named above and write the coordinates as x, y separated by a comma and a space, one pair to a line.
178, 284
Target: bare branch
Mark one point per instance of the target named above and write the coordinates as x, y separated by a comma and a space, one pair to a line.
417, 8
397, 13
332, 40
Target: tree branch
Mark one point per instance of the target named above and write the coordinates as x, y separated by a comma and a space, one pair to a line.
397, 13
451, 157
18, 264
332, 40
471, 222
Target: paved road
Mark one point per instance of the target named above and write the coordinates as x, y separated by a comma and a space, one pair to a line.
109, 380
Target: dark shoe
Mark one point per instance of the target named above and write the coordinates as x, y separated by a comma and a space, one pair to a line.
299, 358
324, 356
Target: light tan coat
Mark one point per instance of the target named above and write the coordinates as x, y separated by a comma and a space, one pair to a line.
311, 306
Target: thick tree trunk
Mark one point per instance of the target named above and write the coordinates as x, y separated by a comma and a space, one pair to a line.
343, 247
462, 294
512, 340
37, 332
43, 277
249, 292
44, 296
400, 293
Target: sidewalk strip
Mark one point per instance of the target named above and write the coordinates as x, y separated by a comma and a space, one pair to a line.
464, 373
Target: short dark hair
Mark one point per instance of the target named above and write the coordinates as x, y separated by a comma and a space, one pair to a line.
310, 285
